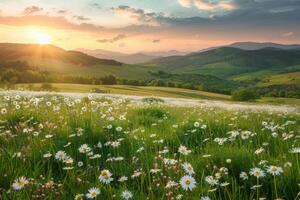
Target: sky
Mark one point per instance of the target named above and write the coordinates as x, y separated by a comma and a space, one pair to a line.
149, 25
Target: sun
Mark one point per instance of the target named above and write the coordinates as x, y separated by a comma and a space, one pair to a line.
42, 38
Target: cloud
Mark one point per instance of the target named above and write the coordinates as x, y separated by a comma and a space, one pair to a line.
32, 9
62, 12
81, 18
288, 34
49, 21
138, 15
156, 41
209, 5
114, 39
186, 3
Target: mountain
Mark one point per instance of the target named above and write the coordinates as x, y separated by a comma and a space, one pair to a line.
257, 46
165, 53
34, 52
140, 57
120, 57
226, 62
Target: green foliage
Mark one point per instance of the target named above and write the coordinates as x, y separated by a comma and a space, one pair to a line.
47, 87
244, 95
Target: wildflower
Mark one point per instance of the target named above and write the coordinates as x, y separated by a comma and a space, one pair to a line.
171, 184
78, 197
188, 168
92, 193
80, 164
196, 124
243, 175
3, 111
183, 150
224, 184
60, 155
126, 194
205, 198
295, 150
257, 172
47, 155
211, 180
84, 148
105, 176
187, 182
119, 129
20, 183
123, 179
274, 170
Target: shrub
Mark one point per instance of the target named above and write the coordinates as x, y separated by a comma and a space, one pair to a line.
47, 87
244, 95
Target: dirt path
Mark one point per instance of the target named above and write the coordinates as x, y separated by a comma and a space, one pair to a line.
173, 101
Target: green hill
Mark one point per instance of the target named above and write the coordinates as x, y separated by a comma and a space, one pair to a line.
227, 61
31, 52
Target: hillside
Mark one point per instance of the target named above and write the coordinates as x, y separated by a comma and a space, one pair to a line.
257, 45
32, 52
227, 61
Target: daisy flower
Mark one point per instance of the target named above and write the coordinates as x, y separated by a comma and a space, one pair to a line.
183, 150
20, 183
257, 172
188, 168
274, 170
92, 193
105, 176
187, 182
126, 195
84, 148
211, 180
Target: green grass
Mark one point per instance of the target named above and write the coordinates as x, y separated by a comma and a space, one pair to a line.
134, 90
143, 136
154, 91
292, 78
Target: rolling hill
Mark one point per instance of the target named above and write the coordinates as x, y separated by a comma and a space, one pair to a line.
61, 63
226, 62
30, 52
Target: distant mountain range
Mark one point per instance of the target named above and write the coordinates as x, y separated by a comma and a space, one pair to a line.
257, 46
143, 57
136, 58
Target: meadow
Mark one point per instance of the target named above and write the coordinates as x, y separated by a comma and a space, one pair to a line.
63, 147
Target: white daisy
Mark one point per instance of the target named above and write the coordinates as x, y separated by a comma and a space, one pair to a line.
105, 176
188, 168
20, 183
187, 182
257, 172
92, 193
274, 170
126, 194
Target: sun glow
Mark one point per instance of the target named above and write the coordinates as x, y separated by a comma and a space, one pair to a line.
42, 38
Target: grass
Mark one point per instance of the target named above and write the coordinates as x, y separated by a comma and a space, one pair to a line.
135, 90
154, 91
292, 78
145, 143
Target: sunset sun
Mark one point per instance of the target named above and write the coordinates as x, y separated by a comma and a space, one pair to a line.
42, 38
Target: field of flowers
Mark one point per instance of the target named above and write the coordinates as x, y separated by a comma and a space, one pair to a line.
58, 147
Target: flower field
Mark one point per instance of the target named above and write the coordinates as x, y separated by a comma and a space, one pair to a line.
58, 147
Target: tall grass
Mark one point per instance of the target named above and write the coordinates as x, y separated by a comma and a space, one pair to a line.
141, 143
